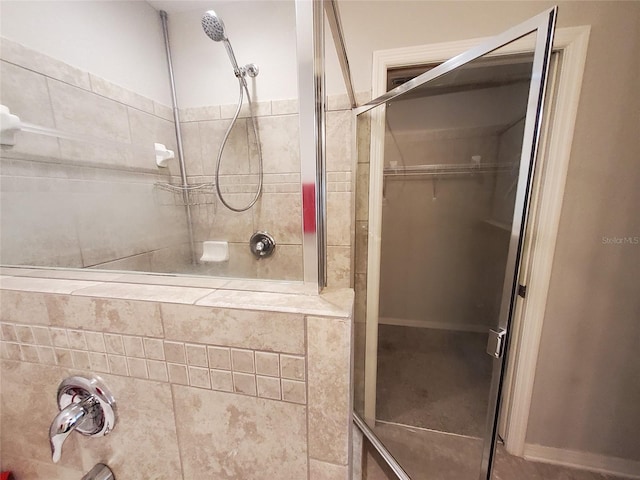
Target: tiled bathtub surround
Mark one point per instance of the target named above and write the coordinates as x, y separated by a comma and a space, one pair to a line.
208, 383
79, 194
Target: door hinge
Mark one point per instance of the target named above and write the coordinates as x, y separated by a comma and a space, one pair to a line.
522, 291
495, 343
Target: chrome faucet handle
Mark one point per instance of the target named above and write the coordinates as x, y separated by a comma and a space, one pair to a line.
262, 245
70, 418
86, 406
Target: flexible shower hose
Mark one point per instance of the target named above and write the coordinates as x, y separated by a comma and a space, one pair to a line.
243, 89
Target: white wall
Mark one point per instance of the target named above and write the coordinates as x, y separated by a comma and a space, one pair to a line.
120, 41
379, 25
487, 107
334, 82
260, 32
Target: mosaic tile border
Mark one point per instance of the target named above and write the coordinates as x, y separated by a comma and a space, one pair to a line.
263, 374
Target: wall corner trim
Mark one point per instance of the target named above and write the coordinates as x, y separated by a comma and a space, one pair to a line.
538, 262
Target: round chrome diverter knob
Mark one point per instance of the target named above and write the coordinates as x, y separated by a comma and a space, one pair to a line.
262, 245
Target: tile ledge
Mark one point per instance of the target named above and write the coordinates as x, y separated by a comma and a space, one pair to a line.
316, 305
144, 292
343, 298
43, 285
298, 297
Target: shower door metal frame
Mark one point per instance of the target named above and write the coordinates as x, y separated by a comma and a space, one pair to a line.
311, 94
310, 53
543, 26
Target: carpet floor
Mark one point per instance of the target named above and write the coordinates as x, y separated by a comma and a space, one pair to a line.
427, 455
435, 379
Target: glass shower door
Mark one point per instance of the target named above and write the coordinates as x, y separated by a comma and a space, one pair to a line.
451, 168
452, 157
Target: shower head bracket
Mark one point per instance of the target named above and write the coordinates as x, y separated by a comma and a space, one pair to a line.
251, 69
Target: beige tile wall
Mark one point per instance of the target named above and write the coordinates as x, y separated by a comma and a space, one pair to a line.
204, 391
91, 201
360, 250
279, 209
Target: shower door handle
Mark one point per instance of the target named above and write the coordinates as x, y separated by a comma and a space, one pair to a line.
495, 343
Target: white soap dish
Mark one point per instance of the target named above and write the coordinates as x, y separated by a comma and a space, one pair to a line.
214, 251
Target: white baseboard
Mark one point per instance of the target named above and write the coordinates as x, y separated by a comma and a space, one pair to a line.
458, 327
587, 461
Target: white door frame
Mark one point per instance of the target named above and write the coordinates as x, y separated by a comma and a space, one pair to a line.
540, 238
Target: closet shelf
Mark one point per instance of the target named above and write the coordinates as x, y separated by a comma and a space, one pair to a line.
447, 170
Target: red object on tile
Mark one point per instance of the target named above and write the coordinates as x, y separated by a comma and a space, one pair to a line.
6, 476
308, 207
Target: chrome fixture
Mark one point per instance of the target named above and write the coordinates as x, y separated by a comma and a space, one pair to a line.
262, 245
176, 120
100, 472
335, 27
311, 93
496, 342
391, 462
213, 26
87, 406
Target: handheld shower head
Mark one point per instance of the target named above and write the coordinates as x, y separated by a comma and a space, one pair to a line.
213, 26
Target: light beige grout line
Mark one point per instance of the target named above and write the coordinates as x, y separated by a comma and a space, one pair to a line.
90, 89
175, 423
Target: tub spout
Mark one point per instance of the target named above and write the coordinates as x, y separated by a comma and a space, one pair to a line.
67, 420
